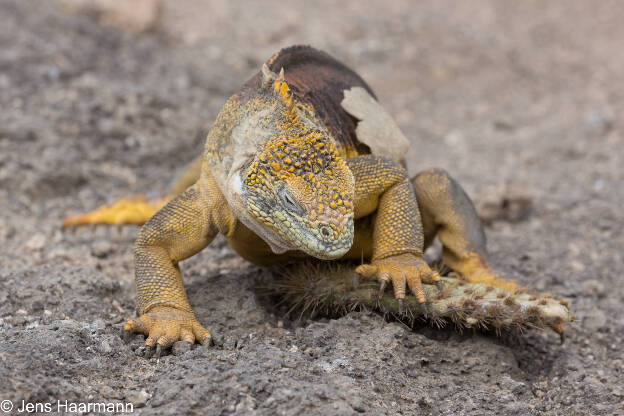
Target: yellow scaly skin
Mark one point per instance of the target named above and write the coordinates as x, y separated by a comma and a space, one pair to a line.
282, 181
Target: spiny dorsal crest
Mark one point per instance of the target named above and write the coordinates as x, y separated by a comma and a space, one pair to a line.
280, 87
268, 76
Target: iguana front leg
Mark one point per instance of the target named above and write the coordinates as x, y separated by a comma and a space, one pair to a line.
182, 228
382, 187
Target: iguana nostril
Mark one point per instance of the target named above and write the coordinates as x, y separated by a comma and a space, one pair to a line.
326, 231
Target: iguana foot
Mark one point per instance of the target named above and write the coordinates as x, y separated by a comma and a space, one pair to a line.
166, 325
402, 269
134, 210
475, 269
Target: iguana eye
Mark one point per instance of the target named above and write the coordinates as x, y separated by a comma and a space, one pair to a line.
288, 201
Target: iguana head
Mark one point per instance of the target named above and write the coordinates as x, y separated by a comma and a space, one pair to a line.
297, 185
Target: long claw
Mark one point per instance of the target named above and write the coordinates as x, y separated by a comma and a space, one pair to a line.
439, 285
401, 306
158, 351
562, 337
382, 287
211, 341
424, 308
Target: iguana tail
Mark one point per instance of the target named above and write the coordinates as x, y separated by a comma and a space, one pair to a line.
137, 209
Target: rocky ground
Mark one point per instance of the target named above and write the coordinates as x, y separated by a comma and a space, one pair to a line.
95, 108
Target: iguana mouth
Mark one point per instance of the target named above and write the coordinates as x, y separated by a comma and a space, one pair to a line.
291, 237
332, 255
321, 241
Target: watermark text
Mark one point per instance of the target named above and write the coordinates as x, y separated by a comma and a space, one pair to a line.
65, 406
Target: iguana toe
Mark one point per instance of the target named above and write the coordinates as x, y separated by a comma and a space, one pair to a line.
382, 287
402, 270
164, 326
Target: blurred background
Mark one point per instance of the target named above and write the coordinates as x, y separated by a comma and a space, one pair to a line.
514, 88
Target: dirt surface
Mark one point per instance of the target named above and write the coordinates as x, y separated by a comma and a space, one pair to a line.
495, 92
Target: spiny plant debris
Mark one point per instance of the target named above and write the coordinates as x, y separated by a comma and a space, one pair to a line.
332, 289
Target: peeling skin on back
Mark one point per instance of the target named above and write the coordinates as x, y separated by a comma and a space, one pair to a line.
376, 128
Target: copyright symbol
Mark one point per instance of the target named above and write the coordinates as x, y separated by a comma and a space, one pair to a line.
6, 405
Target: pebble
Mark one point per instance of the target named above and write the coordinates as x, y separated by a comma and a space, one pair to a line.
102, 249
246, 406
109, 393
136, 341
508, 383
105, 347
596, 122
136, 16
516, 408
229, 343
594, 286
507, 201
138, 398
595, 319
36, 242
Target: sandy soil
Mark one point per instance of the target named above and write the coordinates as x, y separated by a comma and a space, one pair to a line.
494, 92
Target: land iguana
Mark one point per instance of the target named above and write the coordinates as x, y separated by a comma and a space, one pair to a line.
302, 162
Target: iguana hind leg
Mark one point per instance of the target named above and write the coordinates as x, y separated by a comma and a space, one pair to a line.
137, 209
448, 212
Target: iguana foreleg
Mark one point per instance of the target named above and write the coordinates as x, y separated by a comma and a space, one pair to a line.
448, 213
383, 188
182, 228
